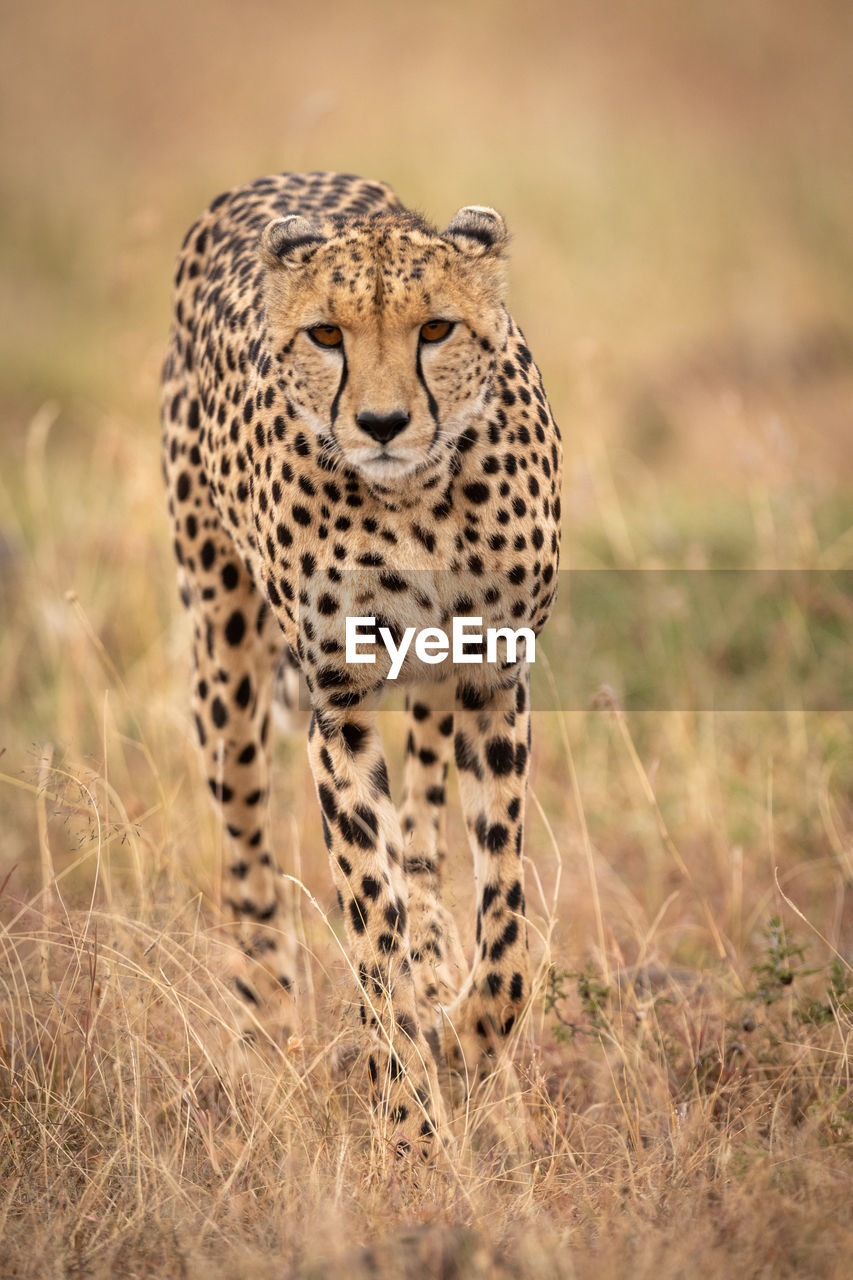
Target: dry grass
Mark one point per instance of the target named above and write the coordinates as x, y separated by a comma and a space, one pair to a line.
654, 1115
680, 1097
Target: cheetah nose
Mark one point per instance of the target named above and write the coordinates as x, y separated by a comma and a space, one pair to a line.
382, 427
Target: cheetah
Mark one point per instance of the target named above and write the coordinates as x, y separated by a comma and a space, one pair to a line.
354, 427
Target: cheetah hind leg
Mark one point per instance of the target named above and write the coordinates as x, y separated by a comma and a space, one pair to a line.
438, 961
290, 699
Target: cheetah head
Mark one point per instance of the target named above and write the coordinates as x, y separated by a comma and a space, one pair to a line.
385, 332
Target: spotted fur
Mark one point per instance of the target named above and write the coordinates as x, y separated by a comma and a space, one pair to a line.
388, 475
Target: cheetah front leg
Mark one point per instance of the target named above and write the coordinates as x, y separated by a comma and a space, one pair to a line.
492, 746
437, 956
363, 836
237, 646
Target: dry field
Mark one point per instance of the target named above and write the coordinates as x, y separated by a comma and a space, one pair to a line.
679, 1097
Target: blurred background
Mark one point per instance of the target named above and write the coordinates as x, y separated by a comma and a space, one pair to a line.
679, 180
678, 176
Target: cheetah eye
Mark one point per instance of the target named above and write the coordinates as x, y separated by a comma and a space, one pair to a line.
326, 335
436, 330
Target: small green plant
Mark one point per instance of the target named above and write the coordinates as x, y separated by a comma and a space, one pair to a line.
593, 994
782, 963
839, 998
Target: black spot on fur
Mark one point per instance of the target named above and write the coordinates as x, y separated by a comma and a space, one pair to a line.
466, 756
513, 898
353, 735
358, 915
235, 628
506, 939
500, 756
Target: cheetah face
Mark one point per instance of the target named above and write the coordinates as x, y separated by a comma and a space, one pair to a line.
385, 332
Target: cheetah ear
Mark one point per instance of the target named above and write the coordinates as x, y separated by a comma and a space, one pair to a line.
284, 238
478, 231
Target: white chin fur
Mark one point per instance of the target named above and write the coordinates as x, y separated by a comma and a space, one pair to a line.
384, 470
